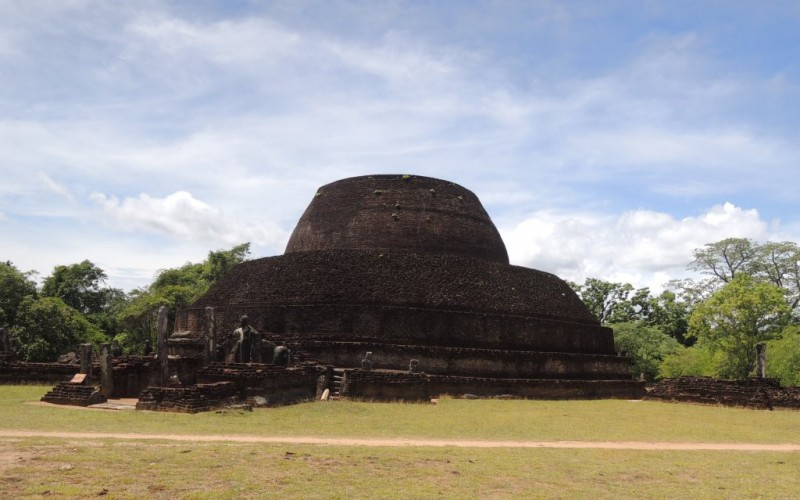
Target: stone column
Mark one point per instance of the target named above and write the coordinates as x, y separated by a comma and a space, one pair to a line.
210, 354
5, 345
106, 372
163, 355
85, 353
761, 360
255, 348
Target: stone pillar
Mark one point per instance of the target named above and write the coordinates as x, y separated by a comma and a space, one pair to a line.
210, 354
255, 348
85, 353
106, 372
163, 355
761, 360
5, 345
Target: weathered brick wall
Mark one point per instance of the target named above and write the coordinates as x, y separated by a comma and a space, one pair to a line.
751, 393
414, 326
192, 399
385, 386
277, 385
400, 279
536, 388
390, 212
23, 372
65, 393
468, 361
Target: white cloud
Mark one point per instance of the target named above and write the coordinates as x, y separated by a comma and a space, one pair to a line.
181, 216
643, 247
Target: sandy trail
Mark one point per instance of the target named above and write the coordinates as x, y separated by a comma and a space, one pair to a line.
380, 442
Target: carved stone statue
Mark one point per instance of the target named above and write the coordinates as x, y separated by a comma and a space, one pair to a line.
413, 366
282, 356
245, 334
366, 363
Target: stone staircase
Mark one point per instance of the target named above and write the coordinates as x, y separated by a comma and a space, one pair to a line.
336, 384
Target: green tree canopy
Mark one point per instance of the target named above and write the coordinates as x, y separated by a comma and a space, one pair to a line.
724, 259
15, 285
78, 285
48, 327
783, 357
737, 317
645, 345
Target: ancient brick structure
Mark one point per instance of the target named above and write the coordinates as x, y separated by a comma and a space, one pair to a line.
751, 393
66, 393
191, 399
408, 268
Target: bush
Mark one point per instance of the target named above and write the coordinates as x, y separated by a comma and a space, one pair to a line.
783, 357
646, 346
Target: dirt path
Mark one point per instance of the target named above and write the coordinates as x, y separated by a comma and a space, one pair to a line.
458, 443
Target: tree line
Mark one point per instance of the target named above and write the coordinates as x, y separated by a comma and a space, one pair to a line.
746, 293
74, 305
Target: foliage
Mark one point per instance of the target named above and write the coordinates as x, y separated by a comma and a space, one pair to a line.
670, 315
613, 302
174, 288
645, 345
696, 361
772, 262
783, 357
80, 287
48, 327
77, 285
15, 285
736, 318
724, 259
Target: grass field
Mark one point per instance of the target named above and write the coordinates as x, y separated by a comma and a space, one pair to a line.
32, 467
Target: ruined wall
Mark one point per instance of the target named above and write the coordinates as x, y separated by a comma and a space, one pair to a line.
276, 384
471, 362
536, 388
750, 393
385, 386
194, 399
412, 326
393, 212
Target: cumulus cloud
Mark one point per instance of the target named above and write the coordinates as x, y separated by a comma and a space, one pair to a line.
643, 247
181, 216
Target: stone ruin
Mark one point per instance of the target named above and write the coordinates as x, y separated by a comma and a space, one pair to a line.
759, 393
391, 288
412, 268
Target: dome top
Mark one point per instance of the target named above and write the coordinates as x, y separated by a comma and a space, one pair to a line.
398, 212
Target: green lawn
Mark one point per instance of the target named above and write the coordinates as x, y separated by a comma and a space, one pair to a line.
602, 420
39, 467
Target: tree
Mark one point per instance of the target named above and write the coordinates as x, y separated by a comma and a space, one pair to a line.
670, 315
48, 327
779, 263
737, 317
783, 357
614, 302
78, 285
15, 285
725, 259
646, 346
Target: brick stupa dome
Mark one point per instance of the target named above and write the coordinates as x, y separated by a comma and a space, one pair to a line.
390, 212
413, 267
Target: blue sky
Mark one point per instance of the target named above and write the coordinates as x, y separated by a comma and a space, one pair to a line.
605, 139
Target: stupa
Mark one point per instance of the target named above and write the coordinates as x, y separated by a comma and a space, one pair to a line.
412, 268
